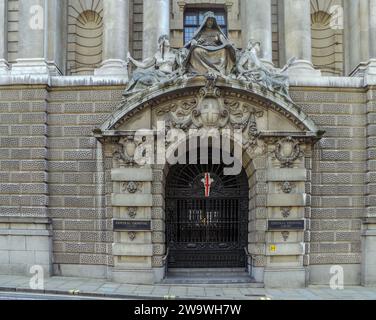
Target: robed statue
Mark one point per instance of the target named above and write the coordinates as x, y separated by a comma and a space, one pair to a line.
210, 51
158, 69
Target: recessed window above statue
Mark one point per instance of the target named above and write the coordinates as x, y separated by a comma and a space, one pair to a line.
210, 51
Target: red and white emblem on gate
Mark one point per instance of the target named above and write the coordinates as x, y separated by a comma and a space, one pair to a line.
207, 181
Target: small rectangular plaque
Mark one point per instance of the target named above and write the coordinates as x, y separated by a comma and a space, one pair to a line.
286, 225
132, 225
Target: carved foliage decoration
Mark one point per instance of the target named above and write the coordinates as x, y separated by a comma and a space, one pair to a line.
287, 151
286, 211
210, 110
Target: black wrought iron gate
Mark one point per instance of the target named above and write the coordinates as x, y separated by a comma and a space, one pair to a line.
206, 217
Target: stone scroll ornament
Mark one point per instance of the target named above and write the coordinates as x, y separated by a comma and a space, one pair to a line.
210, 52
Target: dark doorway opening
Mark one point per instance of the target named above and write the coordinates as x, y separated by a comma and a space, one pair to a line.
206, 217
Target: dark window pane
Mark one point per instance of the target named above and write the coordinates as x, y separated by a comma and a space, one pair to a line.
194, 18
191, 19
188, 33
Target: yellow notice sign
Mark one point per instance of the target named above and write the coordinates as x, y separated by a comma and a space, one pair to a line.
272, 248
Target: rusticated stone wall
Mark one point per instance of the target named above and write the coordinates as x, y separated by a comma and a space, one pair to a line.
338, 179
51, 168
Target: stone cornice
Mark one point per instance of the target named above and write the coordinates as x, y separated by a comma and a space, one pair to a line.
73, 81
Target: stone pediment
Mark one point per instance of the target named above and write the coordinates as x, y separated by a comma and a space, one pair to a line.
231, 104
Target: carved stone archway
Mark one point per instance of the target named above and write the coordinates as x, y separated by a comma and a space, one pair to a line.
277, 145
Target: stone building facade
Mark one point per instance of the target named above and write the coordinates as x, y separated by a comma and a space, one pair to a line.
64, 120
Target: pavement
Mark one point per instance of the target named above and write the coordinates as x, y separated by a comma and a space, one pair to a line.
79, 288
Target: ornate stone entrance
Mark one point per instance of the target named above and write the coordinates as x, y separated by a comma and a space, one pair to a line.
206, 217
247, 102
276, 158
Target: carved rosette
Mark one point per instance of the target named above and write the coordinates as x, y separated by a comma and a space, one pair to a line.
287, 151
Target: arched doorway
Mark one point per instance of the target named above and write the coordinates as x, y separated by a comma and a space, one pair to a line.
206, 217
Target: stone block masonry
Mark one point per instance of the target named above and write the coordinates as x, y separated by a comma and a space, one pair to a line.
338, 180
54, 174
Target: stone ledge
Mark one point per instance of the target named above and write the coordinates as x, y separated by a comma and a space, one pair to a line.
135, 250
286, 249
63, 81
139, 276
287, 175
132, 200
284, 277
25, 232
92, 80
31, 220
286, 200
369, 220
132, 174
369, 233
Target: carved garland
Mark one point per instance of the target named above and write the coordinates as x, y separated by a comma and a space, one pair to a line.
287, 151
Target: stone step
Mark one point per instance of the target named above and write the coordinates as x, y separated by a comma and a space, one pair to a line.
203, 272
245, 282
211, 276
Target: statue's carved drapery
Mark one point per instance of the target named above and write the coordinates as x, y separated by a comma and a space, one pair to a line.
210, 51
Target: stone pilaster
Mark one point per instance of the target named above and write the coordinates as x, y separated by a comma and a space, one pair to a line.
361, 43
115, 38
132, 201
372, 28
156, 24
369, 221
56, 36
257, 25
370, 71
298, 42
40, 37
4, 67
369, 252
286, 201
